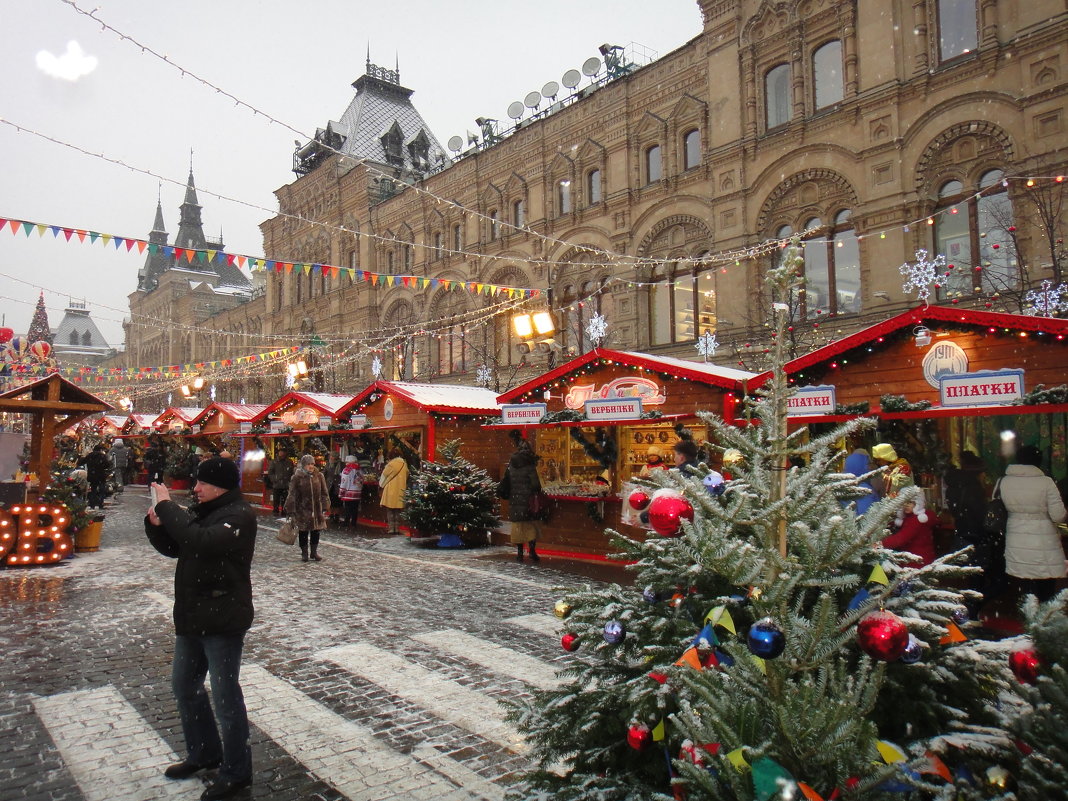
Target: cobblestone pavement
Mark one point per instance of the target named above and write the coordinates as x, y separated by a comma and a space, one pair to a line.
375, 674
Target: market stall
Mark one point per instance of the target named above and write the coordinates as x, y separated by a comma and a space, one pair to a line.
110, 425
217, 427
421, 417
944, 380
173, 426
597, 420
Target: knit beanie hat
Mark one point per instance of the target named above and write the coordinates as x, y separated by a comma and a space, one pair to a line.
884, 451
219, 472
915, 496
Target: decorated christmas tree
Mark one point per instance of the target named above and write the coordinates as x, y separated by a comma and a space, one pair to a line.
453, 498
39, 328
772, 648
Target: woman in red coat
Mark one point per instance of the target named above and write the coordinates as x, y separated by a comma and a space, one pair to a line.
913, 529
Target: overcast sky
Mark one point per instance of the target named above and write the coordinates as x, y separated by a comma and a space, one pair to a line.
67, 79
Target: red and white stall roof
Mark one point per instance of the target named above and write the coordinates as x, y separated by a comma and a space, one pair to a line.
111, 424
238, 412
437, 398
139, 423
301, 409
176, 417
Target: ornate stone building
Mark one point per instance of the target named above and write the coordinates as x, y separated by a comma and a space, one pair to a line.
879, 128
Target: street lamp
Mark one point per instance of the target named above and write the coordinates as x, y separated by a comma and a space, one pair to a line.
296, 371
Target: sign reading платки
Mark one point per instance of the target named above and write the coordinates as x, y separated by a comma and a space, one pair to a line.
983, 388
819, 399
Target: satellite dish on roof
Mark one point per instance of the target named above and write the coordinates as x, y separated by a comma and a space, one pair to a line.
571, 78
550, 89
456, 143
532, 99
591, 66
515, 109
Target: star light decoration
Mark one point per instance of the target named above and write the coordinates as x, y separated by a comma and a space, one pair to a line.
1048, 302
596, 329
707, 344
484, 375
922, 274
376, 367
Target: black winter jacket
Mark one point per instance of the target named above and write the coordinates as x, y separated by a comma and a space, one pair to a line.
213, 543
520, 484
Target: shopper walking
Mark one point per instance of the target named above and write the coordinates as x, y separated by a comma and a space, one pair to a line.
519, 487
214, 543
351, 488
308, 503
392, 483
279, 475
1033, 551
97, 469
120, 458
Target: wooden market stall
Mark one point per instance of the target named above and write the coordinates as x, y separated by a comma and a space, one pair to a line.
110, 425
174, 427
981, 374
53, 404
623, 404
423, 417
218, 425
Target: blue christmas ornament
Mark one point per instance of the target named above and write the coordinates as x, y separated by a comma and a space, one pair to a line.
913, 651
650, 595
904, 588
741, 600
766, 639
614, 632
643, 517
960, 615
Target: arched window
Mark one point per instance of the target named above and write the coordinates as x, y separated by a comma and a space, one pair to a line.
300, 289
563, 196
832, 268
653, 164
437, 244
682, 304
519, 213
457, 238
827, 74
494, 225
593, 187
691, 152
958, 28
390, 262
777, 95
972, 232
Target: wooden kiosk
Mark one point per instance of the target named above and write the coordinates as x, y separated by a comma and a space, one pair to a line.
632, 402
976, 369
54, 404
221, 421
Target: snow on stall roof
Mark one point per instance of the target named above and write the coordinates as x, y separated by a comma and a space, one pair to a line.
450, 396
708, 368
242, 411
326, 400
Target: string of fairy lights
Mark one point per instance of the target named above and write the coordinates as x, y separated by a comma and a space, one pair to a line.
353, 350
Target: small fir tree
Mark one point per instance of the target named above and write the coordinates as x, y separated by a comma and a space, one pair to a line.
756, 658
40, 331
452, 496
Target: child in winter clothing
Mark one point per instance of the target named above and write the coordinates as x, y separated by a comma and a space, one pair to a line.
914, 529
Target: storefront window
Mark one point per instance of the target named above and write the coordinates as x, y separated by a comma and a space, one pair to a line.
685, 324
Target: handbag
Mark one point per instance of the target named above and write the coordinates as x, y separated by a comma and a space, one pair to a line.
287, 534
997, 516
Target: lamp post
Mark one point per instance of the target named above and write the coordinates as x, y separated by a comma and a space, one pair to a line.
536, 333
295, 371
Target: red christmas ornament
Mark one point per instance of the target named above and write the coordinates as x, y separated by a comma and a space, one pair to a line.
638, 499
570, 642
882, 635
995, 246
1024, 664
639, 736
5, 335
666, 512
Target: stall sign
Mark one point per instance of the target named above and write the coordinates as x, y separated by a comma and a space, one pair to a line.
277, 426
523, 412
984, 388
651, 393
358, 421
615, 409
176, 424
944, 358
300, 417
245, 427
325, 421
819, 399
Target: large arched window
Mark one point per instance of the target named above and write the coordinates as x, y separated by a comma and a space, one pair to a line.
563, 196
593, 187
691, 150
777, 95
832, 268
827, 74
653, 164
682, 303
958, 28
972, 231
452, 329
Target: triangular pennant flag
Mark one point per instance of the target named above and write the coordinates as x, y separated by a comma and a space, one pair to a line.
705, 638
81, 236
690, 657
16, 224
659, 731
719, 616
769, 777
953, 634
737, 758
141, 245
27, 227
118, 240
241, 261
808, 792
67, 232
890, 752
878, 576
191, 254
93, 235
41, 228
106, 239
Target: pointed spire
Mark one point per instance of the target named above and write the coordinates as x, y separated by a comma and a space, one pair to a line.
191, 190
158, 226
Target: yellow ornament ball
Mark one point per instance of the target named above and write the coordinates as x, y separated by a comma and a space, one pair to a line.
562, 609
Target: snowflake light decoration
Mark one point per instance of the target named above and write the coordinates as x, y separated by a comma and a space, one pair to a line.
376, 367
922, 274
484, 375
1048, 302
707, 344
290, 381
211, 393
596, 329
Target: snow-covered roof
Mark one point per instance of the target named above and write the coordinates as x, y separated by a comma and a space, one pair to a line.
241, 411
187, 414
117, 420
325, 400
705, 368
444, 397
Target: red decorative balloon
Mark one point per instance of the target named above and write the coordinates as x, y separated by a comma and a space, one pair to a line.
666, 512
570, 642
882, 635
1024, 664
5, 335
639, 736
41, 349
638, 499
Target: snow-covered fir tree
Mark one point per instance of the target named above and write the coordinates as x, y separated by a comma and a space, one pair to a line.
452, 496
39, 328
773, 649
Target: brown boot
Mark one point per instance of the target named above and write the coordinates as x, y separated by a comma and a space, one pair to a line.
519, 553
304, 553
315, 554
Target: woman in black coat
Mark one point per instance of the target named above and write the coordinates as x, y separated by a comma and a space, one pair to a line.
519, 486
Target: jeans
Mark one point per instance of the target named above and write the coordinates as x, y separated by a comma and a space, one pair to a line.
219, 657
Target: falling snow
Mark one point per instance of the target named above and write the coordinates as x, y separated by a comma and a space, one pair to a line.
922, 274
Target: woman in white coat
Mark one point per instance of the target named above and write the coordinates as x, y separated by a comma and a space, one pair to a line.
1033, 551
